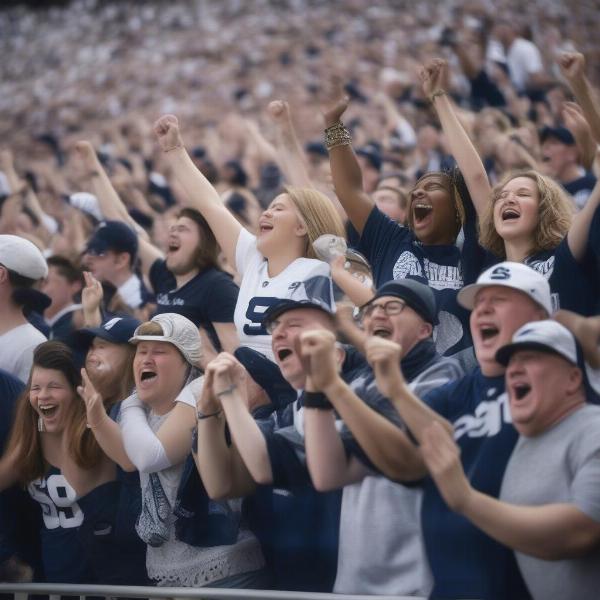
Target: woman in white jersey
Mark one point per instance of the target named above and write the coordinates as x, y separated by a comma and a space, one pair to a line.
270, 265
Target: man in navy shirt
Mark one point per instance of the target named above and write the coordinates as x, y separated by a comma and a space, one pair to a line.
464, 561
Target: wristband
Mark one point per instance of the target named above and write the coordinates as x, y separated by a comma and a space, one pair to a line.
226, 391
316, 400
202, 415
436, 94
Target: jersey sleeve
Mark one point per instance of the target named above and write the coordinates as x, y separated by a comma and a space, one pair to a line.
190, 392
378, 233
245, 251
223, 298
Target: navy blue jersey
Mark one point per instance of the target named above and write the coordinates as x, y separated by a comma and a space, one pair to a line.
395, 253
465, 562
210, 297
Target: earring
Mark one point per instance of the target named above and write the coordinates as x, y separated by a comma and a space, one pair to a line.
41, 424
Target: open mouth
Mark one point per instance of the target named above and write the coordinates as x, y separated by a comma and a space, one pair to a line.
48, 410
265, 227
382, 332
173, 247
488, 332
147, 376
509, 214
521, 390
421, 211
283, 354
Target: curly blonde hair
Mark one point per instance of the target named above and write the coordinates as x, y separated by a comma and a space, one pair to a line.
318, 213
555, 213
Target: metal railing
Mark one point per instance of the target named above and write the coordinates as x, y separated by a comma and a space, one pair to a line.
22, 590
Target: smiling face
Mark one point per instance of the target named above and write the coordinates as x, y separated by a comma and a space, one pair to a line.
432, 214
542, 388
106, 365
285, 329
159, 372
279, 225
183, 243
516, 209
497, 313
51, 397
406, 327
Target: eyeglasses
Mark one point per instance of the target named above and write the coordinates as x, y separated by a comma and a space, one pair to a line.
390, 308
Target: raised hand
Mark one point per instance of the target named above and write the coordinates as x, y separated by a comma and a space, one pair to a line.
167, 132
587, 332
87, 155
574, 119
91, 294
208, 403
442, 458
94, 405
338, 105
384, 357
434, 77
278, 110
317, 352
572, 65
228, 374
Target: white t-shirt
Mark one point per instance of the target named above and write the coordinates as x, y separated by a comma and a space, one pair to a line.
131, 292
258, 291
16, 349
523, 59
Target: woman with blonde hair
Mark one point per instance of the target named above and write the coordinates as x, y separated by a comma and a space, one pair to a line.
533, 221
273, 263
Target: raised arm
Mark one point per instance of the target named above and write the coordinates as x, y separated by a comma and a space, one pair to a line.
105, 430
384, 357
229, 388
579, 231
434, 78
200, 193
572, 66
153, 451
385, 444
550, 531
290, 156
111, 205
221, 467
345, 170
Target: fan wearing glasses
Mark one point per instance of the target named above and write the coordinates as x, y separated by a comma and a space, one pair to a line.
380, 548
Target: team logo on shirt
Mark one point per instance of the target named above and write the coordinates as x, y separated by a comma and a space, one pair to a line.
58, 501
488, 419
439, 277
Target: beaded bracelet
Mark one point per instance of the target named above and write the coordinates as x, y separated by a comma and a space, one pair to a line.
436, 94
337, 135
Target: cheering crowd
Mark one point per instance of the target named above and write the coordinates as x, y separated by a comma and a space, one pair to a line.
344, 341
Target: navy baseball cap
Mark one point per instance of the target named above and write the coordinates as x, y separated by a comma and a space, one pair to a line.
113, 235
315, 292
372, 155
562, 134
267, 375
117, 330
417, 295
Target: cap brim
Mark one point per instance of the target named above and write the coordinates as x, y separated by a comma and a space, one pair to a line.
281, 307
82, 338
466, 296
150, 338
503, 355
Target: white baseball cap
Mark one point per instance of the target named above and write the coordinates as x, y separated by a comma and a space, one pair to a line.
177, 330
547, 336
513, 275
23, 257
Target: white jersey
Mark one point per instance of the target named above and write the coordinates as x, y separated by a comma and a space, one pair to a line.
258, 291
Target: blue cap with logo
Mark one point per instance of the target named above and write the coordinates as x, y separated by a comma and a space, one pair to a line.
116, 330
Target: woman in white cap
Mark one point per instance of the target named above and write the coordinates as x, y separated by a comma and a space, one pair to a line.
271, 264
154, 436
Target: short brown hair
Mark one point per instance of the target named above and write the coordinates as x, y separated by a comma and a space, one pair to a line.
555, 212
